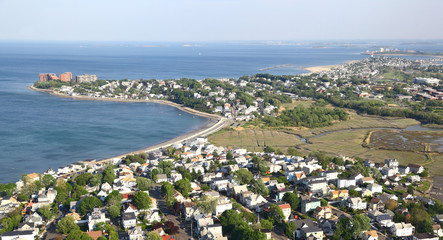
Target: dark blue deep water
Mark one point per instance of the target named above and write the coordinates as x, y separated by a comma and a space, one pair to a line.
39, 131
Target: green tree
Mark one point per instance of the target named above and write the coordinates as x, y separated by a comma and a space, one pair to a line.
66, 225
183, 186
425, 173
78, 235
276, 213
144, 184
243, 176
343, 231
88, 204
48, 180
268, 149
376, 174
109, 174
114, 198
292, 199
421, 219
229, 155
114, 211
229, 220
205, 187
391, 204
290, 229
283, 179
95, 180
260, 188
167, 190
324, 202
45, 212
83, 179
154, 236
112, 234
244, 232
78, 192
7, 189
294, 152
206, 205
266, 224
360, 223
142, 200
353, 193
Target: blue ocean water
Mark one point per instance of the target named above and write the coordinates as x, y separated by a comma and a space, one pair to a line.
39, 131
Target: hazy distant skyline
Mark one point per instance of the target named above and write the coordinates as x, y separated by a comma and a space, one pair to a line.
220, 20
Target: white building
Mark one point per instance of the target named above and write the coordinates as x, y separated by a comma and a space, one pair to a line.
402, 229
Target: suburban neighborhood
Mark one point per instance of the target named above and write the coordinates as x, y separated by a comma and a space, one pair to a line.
195, 190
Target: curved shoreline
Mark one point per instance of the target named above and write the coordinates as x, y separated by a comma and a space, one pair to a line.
107, 99
214, 124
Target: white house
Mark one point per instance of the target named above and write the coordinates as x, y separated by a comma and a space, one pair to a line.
356, 203
129, 220
162, 178
152, 216
375, 188
223, 205
253, 200
136, 233
402, 229
97, 216
330, 175
346, 183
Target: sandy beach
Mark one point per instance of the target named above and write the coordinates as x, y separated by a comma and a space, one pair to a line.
319, 69
214, 124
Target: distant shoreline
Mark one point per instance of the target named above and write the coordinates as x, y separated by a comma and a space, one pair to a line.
214, 124
404, 54
325, 68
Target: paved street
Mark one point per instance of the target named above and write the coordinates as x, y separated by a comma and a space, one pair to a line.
51, 228
185, 228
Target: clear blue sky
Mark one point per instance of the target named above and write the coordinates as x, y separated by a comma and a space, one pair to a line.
219, 20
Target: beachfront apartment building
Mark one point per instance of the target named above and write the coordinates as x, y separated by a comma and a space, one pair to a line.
86, 78
66, 77
43, 77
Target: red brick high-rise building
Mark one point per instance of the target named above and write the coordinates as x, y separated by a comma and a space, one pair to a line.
52, 76
66, 77
43, 77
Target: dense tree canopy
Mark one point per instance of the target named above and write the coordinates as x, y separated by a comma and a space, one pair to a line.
144, 184
260, 188
183, 186
109, 175
292, 199
88, 204
311, 117
243, 176
66, 225
142, 200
